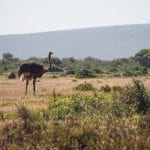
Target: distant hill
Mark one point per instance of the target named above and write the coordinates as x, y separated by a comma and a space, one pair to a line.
101, 42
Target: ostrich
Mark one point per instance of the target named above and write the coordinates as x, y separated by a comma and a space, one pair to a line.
31, 70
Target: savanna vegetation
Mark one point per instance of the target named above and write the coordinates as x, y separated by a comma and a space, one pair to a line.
111, 117
87, 67
118, 119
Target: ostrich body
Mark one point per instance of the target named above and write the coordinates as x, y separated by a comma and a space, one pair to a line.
31, 70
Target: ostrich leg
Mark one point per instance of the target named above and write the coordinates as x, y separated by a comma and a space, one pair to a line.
27, 82
34, 80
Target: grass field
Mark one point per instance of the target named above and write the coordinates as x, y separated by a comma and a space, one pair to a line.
12, 91
60, 117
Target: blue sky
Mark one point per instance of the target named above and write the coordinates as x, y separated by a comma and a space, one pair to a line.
28, 16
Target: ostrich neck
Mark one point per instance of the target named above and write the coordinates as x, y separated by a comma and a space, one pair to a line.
50, 66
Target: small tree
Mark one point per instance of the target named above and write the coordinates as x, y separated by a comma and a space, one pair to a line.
135, 97
143, 57
7, 56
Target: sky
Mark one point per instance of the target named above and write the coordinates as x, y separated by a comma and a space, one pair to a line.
29, 16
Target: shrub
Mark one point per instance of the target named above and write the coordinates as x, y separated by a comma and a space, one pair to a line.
54, 76
117, 88
98, 71
135, 95
144, 124
77, 122
129, 74
86, 139
31, 122
56, 69
1, 116
84, 73
132, 99
85, 87
78, 104
70, 72
105, 88
12, 75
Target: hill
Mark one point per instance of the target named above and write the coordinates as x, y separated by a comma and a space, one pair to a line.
101, 42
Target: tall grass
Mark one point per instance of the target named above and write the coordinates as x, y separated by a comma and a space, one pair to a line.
99, 121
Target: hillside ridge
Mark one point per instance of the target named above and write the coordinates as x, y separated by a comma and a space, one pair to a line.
107, 42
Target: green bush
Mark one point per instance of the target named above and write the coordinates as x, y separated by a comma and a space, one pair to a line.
128, 74
56, 69
70, 72
136, 95
131, 99
81, 122
12, 75
81, 133
85, 87
1, 116
85, 73
30, 122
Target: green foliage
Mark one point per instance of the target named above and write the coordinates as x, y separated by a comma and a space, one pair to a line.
76, 105
85, 87
143, 53
98, 121
9, 63
30, 122
88, 132
127, 67
143, 57
135, 71
84, 73
136, 97
130, 100
56, 69
56, 61
87, 67
70, 72
12, 75
103, 120
1, 116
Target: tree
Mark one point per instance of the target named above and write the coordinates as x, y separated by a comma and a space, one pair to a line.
143, 57
7, 56
56, 61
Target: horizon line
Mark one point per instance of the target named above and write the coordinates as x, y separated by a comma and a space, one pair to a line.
80, 28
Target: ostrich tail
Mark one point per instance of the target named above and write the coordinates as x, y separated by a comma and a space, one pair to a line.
22, 77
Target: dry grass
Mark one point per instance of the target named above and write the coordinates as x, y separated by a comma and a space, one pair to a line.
12, 91
68, 122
